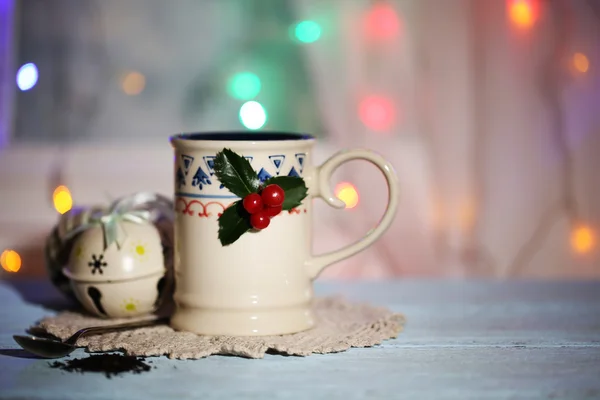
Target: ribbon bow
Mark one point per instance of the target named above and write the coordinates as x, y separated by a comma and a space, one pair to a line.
125, 209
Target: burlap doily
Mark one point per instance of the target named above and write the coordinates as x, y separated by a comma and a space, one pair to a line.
340, 326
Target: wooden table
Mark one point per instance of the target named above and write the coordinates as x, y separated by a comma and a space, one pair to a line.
464, 340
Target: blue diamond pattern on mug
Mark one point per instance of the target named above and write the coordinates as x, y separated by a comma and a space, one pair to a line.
263, 175
187, 163
293, 172
180, 178
300, 157
201, 178
209, 161
277, 161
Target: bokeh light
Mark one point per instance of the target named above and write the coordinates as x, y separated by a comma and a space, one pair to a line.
522, 13
307, 31
582, 239
244, 86
10, 260
382, 22
253, 115
467, 214
27, 76
581, 62
347, 193
377, 113
133, 83
63, 201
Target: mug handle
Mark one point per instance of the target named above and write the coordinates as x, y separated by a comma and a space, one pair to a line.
322, 189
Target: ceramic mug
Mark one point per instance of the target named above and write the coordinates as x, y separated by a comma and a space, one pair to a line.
262, 283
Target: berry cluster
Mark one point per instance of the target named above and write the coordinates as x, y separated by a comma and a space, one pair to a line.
264, 205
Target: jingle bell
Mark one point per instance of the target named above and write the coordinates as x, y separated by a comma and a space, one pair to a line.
122, 278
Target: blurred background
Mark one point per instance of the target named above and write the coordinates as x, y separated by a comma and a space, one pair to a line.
488, 109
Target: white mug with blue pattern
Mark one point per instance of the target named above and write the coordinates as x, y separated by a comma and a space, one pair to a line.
262, 283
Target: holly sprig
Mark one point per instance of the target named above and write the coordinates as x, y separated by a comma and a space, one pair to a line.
237, 175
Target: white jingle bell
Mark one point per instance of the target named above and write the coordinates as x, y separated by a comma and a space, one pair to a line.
123, 279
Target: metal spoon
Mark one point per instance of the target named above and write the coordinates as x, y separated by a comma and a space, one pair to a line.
52, 348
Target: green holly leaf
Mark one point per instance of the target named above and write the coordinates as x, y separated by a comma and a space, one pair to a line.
238, 176
233, 223
236, 173
294, 187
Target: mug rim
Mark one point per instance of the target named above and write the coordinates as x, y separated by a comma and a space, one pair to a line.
241, 139
242, 136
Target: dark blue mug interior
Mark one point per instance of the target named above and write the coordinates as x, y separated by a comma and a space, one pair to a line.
243, 136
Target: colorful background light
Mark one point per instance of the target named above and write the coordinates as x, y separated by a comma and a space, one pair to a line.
307, 31
27, 76
253, 115
377, 113
244, 86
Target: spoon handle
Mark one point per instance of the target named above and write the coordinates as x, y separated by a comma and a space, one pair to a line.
111, 328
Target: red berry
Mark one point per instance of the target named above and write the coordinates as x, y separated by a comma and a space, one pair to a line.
272, 211
253, 203
260, 220
273, 195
